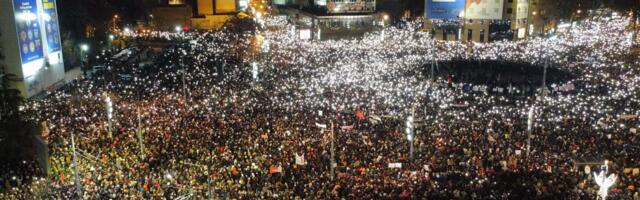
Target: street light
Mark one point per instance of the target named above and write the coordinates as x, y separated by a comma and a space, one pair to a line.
529, 128
83, 49
109, 109
409, 132
177, 28
254, 71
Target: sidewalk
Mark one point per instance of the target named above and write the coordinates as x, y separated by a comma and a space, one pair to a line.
72, 74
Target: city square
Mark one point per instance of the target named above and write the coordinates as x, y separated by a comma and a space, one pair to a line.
263, 108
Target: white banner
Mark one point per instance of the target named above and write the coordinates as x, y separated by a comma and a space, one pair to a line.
483, 9
300, 159
395, 165
346, 128
321, 125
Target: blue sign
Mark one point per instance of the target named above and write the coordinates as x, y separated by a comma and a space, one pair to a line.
28, 29
51, 25
443, 9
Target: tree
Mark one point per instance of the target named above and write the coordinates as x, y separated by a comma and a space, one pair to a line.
17, 130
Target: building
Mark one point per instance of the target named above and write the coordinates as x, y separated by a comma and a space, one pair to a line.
330, 19
169, 16
478, 20
30, 45
213, 14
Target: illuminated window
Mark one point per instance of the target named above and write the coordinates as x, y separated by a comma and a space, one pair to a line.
176, 2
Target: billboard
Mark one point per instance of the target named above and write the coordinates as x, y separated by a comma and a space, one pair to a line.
443, 9
28, 30
483, 9
522, 9
51, 25
349, 6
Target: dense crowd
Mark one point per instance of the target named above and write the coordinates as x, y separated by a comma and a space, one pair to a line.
253, 116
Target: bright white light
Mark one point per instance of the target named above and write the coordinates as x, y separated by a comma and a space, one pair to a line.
604, 182
385, 17
84, 47
178, 29
409, 128
530, 120
46, 17
111, 37
27, 16
127, 30
254, 71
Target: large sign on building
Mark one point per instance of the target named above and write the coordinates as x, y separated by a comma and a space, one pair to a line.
444, 9
33, 49
483, 9
52, 30
351, 6
522, 9
28, 30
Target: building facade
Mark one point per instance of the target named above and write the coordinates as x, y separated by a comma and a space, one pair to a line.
331, 19
30, 45
213, 14
168, 17
478, 20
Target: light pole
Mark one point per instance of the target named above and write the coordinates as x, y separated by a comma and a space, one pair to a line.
529, 129
433, 56
544, 79
83, 49
332, 161
409, 132
109, 110
75, 167
333, 154
603, 181
139, 134
254, 71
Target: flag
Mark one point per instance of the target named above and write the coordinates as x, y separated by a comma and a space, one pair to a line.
360, 115
275, 169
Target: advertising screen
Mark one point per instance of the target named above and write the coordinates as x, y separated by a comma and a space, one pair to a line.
349, 6
483, 9
28, 29
444, 9
523, 9
51, 25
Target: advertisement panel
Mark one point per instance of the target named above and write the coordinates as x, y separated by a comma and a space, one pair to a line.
28, 29
483, 9
444, 9
51, 25
523, 9
349, 6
